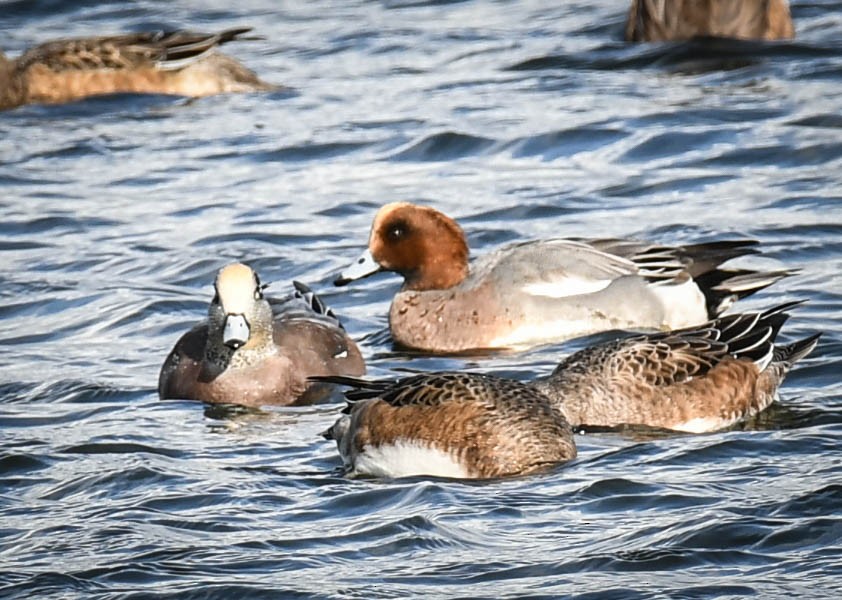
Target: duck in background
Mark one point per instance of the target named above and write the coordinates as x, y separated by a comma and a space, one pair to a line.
180, 63
469, 425
545, 290
671, 20
244, 354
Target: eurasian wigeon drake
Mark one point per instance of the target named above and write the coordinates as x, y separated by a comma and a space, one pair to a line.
459, 425
667, 20
693, 380
244, 354
541, 291
181, 63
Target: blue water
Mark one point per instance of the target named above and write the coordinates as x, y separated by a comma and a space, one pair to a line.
523, 120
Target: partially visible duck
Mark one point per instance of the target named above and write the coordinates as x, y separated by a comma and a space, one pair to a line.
181, 63
540, 291
693, 380
456, 425
665, 20
243, 354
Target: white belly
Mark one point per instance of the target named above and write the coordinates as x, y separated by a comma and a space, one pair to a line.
406, 459
705, 424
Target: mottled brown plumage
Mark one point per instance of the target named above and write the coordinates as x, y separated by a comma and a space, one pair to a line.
663, 20
698, 379
486, 426
243, 354
180, 63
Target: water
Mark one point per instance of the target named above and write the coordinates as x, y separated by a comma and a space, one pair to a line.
522, 119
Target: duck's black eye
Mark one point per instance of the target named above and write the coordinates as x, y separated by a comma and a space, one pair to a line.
397, 232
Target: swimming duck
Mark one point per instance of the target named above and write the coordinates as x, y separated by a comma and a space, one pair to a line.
181, 63
539, 291
458, 425
665, 20
243, 354
695, 380
468, 425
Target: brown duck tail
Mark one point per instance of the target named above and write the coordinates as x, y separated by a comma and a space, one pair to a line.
235, 33
792, 353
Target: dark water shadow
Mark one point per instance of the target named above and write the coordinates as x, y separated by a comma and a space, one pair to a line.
693, 57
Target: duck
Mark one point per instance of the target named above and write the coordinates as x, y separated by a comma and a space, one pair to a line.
448, 424
182, 63
542, 291
672, 20
246, 353
694, 380
480, 426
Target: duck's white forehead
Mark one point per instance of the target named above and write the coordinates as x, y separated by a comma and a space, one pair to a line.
235, 285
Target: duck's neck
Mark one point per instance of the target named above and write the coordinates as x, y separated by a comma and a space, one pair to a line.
259, 345
438, 275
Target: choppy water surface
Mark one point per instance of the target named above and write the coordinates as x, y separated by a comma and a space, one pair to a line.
523, 120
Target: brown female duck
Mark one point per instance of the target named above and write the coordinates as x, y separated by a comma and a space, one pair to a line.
181, 63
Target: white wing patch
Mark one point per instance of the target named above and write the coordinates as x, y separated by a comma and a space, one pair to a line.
407, 458
569, 286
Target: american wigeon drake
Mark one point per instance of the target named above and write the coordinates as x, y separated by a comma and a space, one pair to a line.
540, 291
667, 20
244, 354
693, 380
455, 425
181, 63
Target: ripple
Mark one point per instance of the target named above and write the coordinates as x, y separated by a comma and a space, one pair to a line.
302, 153
550, 146
448, 145
522, 120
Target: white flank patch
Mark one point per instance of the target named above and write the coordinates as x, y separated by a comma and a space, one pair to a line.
684, 304
406, 459
706, 424
569, 286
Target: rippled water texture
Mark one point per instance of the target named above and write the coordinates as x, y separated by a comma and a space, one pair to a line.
522, 119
